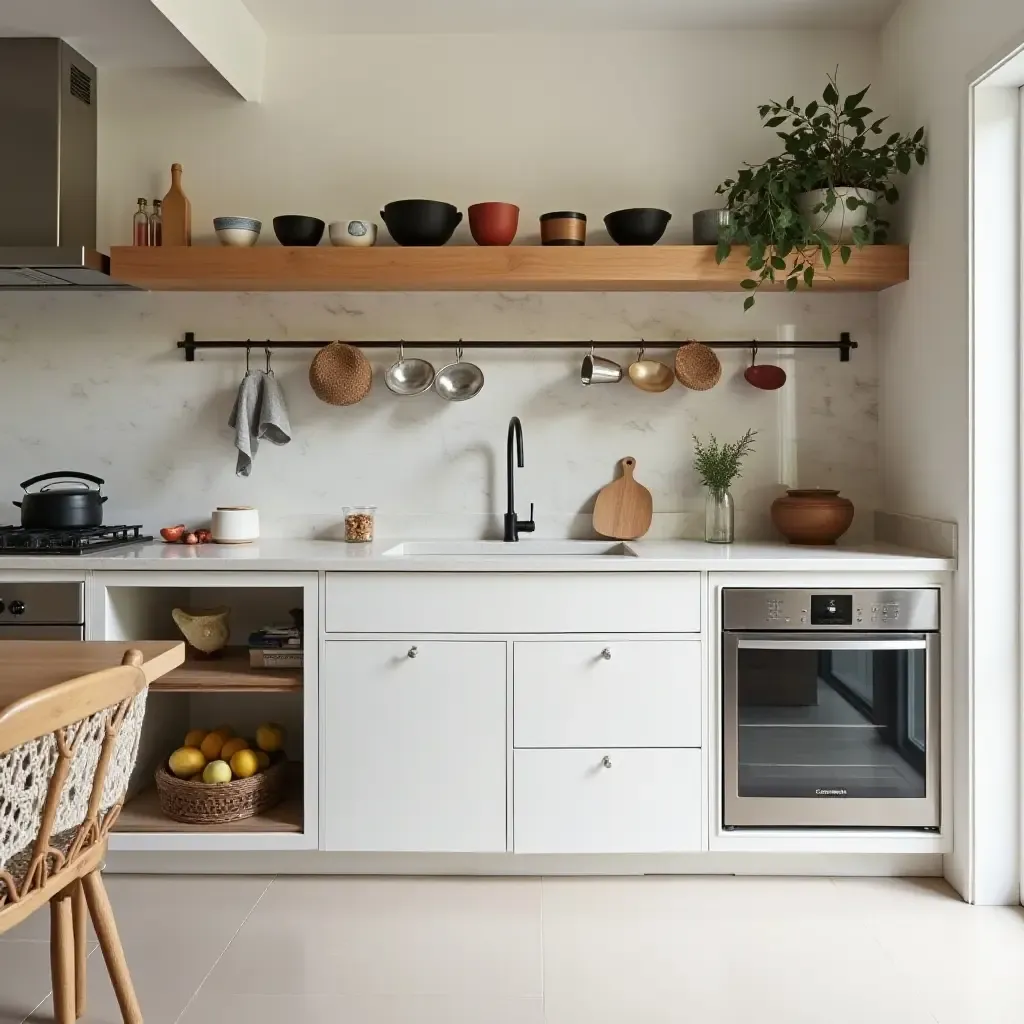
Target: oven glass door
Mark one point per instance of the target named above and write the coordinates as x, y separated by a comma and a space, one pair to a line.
830, 730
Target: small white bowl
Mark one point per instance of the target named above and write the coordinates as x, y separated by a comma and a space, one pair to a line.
237, 231
352, 232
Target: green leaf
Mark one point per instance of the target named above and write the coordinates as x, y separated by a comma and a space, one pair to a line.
893, 139
826, 254
778, 263
853, 203
775, 122
748, 303
830, 96
790, 102
922, 155
722, 251
791, 284
903, 162
892, 195
749, 284
854, 99
755, 263
861, 112
763, 109
845, 252
918, 135
809, 276
812, 109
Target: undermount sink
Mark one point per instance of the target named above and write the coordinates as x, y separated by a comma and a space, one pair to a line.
522, 548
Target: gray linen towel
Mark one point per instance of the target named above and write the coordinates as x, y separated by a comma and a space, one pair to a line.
245, 418
273, 419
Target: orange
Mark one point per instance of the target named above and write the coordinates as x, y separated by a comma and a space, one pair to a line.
212, 746
270, 737
232, 747
195, 737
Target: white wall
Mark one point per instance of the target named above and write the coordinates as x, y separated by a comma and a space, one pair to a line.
933, 50
591, 122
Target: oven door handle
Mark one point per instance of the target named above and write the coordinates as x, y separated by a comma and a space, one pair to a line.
832, 645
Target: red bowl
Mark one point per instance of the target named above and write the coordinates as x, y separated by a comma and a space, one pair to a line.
493, 223
766, 377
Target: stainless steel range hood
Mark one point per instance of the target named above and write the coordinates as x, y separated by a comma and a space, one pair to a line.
48, 171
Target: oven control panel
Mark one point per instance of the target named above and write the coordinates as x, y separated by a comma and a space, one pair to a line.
868, 610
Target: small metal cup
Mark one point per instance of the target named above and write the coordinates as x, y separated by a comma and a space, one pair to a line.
596, 370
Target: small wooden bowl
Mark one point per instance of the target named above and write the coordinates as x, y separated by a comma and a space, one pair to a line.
697, 367
816, 517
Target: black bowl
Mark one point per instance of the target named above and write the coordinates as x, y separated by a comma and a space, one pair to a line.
420, 221
293, 229
639, 226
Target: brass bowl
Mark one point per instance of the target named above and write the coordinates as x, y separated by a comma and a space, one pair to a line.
649, 374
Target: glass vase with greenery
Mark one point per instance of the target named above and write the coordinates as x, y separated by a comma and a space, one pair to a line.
826, 159
718, 465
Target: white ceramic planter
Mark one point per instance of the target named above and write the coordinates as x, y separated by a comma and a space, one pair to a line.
839, 224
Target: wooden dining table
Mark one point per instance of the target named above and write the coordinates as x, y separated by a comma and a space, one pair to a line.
27, 666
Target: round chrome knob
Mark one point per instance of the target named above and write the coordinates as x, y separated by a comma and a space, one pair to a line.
606, 761
16, 607
607, 654
413, 651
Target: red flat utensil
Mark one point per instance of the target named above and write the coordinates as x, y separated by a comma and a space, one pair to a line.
764, 377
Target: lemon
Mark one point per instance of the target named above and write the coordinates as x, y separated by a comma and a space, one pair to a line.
186, 762
195, 738
217, 771
232, 747
244, 763
212, 746
262, 759
270, 737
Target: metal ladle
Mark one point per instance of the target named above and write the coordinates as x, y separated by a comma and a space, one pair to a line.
408, 376
649, 374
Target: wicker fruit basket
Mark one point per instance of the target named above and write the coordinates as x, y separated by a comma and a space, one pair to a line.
200, 803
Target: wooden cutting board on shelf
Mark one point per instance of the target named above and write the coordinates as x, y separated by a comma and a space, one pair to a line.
624, 508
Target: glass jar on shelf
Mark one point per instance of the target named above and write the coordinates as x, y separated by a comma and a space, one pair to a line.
140, 224
156, 224
359, 522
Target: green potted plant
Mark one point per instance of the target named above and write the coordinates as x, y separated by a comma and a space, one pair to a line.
718, 465
821, 195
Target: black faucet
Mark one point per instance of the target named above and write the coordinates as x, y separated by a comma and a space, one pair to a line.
513, 525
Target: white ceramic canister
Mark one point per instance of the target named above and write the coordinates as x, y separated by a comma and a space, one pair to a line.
236, 524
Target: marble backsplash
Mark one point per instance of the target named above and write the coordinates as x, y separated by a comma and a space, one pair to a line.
93, 381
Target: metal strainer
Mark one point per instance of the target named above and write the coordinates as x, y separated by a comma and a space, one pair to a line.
460, 380
408, 376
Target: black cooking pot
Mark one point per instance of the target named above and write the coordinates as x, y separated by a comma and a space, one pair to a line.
66, 508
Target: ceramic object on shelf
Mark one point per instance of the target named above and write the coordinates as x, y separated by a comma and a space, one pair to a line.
637, 226
421, 221
493, 223
837, 225
237, 231
563, 227
206, 630
361, 233
235, 524
708, 226
812, 516
176, 213
295, 229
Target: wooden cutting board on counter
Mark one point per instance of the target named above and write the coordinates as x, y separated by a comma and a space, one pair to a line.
624, 508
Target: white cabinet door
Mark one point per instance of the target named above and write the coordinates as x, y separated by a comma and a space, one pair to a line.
593, 693
414, 742
607, 801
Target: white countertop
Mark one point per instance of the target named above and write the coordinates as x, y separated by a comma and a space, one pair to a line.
647, 556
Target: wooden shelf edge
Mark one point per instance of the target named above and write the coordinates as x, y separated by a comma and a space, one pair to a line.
607, 268
228, 674
142, 814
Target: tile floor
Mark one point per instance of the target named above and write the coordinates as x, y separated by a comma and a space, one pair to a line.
530, 951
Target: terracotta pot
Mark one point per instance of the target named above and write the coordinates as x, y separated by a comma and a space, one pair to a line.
493, 223
812, 516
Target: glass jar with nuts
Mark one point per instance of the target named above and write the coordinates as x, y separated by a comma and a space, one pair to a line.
359, 523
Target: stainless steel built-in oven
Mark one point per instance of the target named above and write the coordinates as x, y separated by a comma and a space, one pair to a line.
830, 709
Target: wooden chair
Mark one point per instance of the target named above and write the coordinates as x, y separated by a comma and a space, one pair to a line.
66, 753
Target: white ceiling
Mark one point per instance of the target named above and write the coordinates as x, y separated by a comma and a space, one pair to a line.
110, 33
301, 17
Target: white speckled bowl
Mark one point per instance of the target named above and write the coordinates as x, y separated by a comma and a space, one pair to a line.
352, 232
237, 231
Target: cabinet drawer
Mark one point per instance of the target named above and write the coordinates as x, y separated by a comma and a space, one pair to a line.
513, 602
593, 693
638, 801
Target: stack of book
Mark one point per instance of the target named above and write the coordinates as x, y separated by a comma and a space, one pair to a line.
276, 647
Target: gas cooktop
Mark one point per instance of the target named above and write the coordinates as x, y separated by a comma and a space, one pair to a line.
16, 540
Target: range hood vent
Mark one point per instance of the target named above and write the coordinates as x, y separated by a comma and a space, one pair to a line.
48, 177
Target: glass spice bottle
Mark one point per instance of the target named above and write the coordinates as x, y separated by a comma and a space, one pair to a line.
140, 225
156, 224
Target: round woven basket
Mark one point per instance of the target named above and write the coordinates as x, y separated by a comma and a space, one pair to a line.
697, 367
201, 803
340, 374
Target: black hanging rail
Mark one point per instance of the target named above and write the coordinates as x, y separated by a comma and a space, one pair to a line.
190, 345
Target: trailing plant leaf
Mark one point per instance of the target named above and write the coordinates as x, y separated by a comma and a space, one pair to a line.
825, 147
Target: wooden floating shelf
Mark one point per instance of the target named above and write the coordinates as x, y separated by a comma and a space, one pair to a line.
142, 814
523, 268
228, 674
